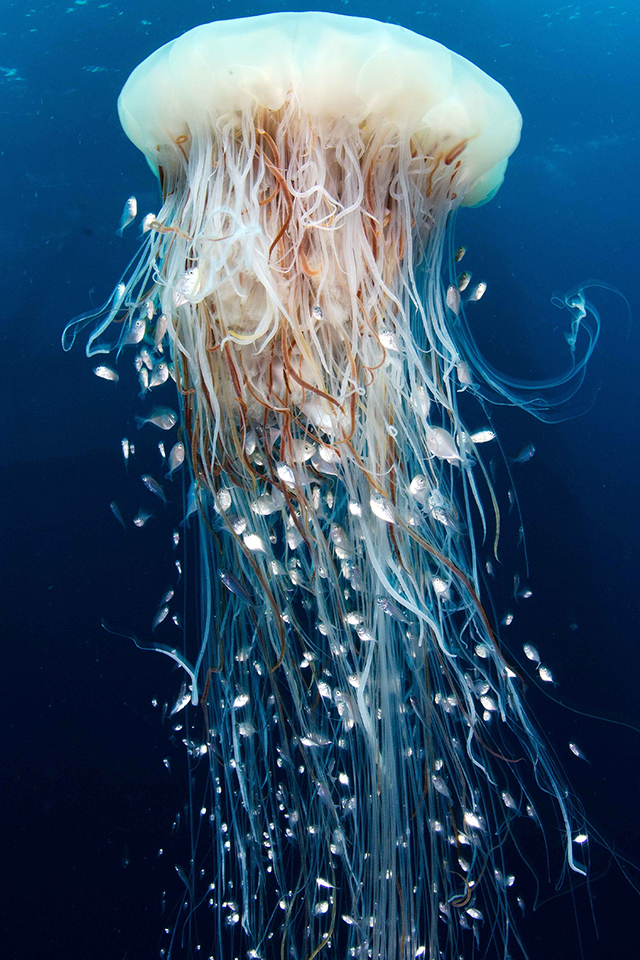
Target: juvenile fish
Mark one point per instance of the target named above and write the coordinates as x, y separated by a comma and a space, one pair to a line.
129, 214
233, 585
164, 418
115, 510
153, 486
106, 373
176, 459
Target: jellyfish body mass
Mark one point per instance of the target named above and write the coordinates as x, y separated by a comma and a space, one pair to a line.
369, 749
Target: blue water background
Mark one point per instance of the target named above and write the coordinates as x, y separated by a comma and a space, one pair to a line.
86, 800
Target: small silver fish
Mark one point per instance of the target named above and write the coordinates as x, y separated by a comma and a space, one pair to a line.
146, 358
160, 375
478, 291
153, 486
463, 281
460, 252
164, 418
545, 674
106, 373
159, 332
382, 508
126, 449
136, 332
185, 286
483, 436
129, 214
176, 459
453, 300
184, 697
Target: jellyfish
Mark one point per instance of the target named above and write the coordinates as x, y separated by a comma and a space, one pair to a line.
369, 746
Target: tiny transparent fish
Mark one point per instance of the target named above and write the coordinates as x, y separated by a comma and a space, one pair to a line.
143, 380
129, 214
577, 752
463, 281
391, 609
460, 252
531, 653
126, 449
525, 454
115, 510
153, 486
440, 786
192, 500
184, 697
161, 615
233, 585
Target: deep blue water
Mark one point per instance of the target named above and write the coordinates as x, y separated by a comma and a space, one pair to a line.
86, 799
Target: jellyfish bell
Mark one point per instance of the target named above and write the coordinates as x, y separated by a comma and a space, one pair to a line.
359, 710
307, 162
327, 67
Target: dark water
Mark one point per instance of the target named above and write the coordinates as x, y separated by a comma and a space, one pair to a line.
86, 799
